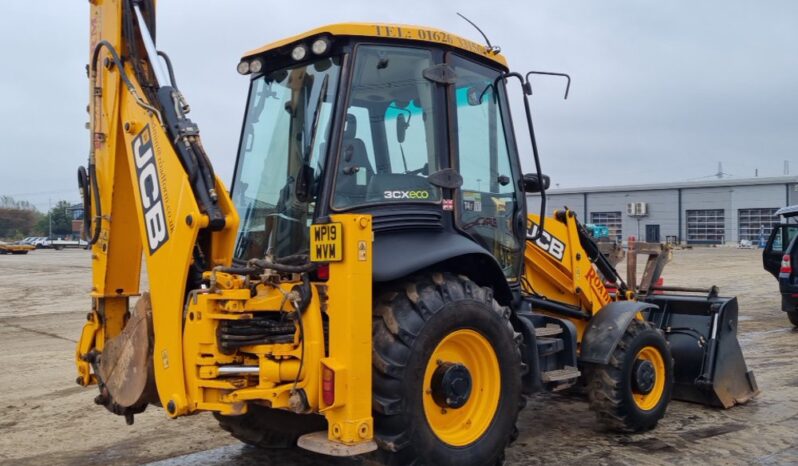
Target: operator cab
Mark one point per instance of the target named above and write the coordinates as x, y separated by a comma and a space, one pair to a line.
409, 125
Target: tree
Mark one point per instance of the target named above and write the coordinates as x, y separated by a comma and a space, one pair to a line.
17, 218
60, 218
8, 202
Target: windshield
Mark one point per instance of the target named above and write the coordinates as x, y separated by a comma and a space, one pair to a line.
388, 147
280, 162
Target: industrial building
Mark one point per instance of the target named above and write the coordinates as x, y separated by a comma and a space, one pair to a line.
703, 212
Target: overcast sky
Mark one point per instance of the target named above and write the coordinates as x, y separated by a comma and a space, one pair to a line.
662, 90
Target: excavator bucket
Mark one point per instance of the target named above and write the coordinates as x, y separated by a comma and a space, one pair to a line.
709, 367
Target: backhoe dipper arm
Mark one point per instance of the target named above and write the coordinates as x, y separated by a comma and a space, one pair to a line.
149, 187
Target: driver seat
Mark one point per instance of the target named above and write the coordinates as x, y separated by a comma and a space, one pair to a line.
354, 169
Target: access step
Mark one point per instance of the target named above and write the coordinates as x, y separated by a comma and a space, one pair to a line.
318, 442
548, 331
559, 375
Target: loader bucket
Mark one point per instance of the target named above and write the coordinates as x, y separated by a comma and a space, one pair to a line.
709, 367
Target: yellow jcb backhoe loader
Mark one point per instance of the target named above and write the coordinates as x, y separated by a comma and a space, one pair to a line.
372, 280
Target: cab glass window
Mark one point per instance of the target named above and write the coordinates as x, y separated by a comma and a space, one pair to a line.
388, 147
281, 159
489, 194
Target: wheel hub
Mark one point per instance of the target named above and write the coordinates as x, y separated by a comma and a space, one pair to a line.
644, 376
451, 385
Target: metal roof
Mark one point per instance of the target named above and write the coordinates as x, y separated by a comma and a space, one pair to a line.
389, 31
727, 182
790, 211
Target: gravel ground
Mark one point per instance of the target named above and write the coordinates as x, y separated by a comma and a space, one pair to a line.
47, 419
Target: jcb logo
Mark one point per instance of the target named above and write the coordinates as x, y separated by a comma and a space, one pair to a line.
150, 190
406, 195
554, 247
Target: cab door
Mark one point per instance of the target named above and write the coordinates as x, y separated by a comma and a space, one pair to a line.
779, 244
490, 199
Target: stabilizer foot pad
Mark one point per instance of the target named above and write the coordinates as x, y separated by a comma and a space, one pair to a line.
318, 442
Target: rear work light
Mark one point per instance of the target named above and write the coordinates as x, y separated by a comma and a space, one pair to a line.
786, 264
327, 385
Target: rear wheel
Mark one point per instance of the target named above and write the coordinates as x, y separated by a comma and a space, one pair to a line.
447, 373
632, 391
270, 428
793, 316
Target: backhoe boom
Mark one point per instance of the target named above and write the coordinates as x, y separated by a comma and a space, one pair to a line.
149, 189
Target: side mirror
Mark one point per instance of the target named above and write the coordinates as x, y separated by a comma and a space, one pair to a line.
534, 185
401, 127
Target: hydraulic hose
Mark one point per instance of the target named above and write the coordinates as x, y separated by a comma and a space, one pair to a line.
95, 190
94, 225
169, 68
295, 263
285, 268
120, 66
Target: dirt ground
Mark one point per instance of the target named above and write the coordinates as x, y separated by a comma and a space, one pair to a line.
46, 419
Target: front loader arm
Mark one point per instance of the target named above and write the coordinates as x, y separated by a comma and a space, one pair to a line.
151, 190
557, 266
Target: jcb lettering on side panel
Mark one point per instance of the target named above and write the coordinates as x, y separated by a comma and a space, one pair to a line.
150, 190
553, 246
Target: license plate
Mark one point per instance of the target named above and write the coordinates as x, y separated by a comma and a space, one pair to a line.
326, 242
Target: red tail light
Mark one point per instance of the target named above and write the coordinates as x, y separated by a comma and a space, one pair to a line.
786, 264
327, 385
323, 272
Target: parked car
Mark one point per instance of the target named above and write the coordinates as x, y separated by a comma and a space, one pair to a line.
780, 258
41, 242
61, 244
11, 248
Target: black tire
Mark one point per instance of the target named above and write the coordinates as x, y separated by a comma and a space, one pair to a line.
610, 387
270, 428
410, 320
793, 316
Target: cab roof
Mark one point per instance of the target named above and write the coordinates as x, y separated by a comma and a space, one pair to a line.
389, 31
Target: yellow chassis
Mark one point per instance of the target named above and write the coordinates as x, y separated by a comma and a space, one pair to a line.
279, 371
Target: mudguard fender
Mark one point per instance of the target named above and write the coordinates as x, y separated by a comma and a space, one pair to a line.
398, 255
606, 329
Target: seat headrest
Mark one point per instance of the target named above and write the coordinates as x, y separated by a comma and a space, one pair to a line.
351, 126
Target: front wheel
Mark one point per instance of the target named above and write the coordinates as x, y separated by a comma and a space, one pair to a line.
632, 391
793, 316
447, 373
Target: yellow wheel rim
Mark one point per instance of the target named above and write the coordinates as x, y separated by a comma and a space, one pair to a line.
647, 401
462, 426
